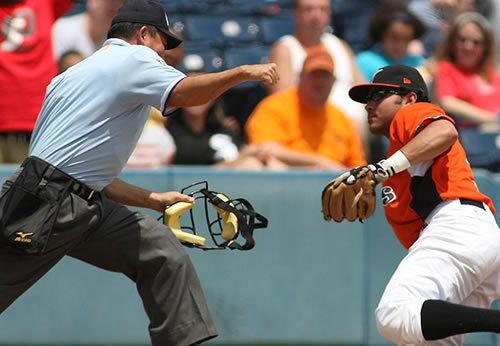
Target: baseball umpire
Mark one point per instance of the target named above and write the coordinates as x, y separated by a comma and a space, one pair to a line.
444, 286
66, 197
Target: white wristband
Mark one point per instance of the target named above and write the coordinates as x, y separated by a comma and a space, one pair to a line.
398, 162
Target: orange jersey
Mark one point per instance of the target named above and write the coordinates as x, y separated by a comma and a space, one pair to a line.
410, 196
280, 118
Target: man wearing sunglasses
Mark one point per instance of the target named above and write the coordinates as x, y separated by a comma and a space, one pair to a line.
444, 286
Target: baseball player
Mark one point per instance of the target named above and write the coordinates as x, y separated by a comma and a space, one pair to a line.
444, 286
66, 197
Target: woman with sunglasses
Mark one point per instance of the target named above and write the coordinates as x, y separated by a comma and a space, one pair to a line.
467, 82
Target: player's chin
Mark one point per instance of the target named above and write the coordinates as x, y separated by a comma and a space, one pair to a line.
375, 128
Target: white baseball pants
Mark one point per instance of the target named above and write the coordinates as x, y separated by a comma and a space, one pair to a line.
456, 259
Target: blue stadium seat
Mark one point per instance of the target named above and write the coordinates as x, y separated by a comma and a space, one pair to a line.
191, 6
172, 6
177, 22
198, 6
259, 7
482, 148
202, 58
245, 55
77, 8
274, 27
221, 31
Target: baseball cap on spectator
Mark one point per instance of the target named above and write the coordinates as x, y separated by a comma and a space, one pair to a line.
395, 77
318, 58
147, 12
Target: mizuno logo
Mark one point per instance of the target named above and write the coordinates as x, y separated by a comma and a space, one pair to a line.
22, 237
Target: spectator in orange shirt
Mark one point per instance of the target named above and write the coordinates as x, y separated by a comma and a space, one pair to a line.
299, 127
311, 19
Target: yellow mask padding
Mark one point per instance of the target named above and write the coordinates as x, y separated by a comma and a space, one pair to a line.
172, 220
230, 229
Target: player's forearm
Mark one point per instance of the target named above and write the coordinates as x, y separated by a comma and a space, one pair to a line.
435, 139
432, 141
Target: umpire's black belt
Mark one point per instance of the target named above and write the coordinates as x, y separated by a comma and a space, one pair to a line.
54, 175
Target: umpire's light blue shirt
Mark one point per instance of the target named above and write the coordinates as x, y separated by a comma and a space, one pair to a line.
94, 113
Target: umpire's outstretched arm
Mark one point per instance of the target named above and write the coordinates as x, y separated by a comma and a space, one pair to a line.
197, 90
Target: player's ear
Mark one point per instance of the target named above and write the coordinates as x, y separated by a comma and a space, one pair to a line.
410, 98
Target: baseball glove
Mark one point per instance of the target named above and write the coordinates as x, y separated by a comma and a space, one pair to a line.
350, 196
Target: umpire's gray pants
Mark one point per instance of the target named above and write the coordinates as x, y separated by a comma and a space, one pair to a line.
110, 236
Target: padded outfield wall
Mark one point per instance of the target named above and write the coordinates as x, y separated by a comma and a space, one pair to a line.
306, 281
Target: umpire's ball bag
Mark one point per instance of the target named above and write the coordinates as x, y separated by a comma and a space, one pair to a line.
28, 207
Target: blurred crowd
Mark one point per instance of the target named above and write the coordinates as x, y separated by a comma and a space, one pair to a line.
307, 120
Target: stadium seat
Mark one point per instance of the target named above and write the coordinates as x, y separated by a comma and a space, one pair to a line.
245, 55
77, 8
176, 22
197, 6
172, 6
201, 58
482, 148
259, 7
221, 31
249, 54
274, 27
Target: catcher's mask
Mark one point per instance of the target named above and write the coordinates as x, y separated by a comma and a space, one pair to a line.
226, 219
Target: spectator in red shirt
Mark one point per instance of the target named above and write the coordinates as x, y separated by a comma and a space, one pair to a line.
27, 65
467, 82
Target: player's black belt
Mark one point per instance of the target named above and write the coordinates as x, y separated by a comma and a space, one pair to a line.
52, 174
467, 201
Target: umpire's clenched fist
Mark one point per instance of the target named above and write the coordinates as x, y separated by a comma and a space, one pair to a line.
267, 73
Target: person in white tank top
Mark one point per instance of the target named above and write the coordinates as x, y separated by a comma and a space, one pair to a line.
311, 19
85, 32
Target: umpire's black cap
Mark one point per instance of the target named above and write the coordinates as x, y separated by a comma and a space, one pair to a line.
399, 77
147, 12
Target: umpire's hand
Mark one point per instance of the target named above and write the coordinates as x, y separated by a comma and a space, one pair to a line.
267, 73
164, 199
